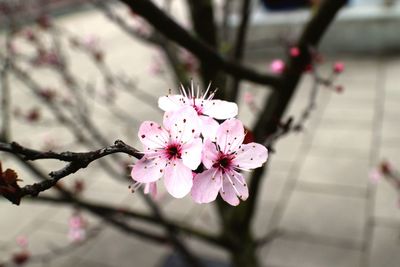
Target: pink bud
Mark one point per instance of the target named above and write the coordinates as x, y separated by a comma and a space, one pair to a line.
338, 67
294, 51
75, 222
277, 66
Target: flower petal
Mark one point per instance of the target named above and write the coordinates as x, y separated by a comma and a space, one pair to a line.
171, 102
191, 153
178, 179
183, 124
206, 186
209, 127
209, 154
152, 135
232, 189
219, 109
250, 156
230, 135
148, 170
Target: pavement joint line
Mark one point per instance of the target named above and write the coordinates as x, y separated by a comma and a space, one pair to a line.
331, 189
374, 151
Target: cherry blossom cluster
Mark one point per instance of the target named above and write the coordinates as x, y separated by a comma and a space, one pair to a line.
199, 149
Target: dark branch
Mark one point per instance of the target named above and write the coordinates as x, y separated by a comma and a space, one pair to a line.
176, 33
76, 161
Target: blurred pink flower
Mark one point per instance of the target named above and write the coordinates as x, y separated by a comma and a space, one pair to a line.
77, 228
277, 66
294, 51
22, 241
338, 67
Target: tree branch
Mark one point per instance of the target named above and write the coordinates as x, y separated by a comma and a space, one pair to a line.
76, 161
277, 103
173, 31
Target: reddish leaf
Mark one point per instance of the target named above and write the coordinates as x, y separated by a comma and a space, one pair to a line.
8, 185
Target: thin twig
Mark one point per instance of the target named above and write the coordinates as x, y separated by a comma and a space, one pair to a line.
76, 161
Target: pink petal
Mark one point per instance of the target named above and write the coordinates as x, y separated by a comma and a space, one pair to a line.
184, 124
152, 135
191, 153
205, 188
230, 135
228, 192
251, 156
219, 109
178, 179
209, 154
171, 102
148, 170
209, 127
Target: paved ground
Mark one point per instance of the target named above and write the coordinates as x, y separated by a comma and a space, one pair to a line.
317, 190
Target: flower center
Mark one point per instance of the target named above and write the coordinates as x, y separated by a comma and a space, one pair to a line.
173, 151
198, 109
224, 161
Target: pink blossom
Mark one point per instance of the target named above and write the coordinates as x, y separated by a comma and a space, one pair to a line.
207, 109
224, 160
172, 151
277, 66
294, 51
77, 235
77, 228
338, 67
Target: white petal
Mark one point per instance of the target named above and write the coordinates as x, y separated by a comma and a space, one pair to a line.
152, 135
183, 124
206, 186
209, 128
232, 189
178, 179
171, 102
250, 156
191, 153
148, 170
230, 135
219, 109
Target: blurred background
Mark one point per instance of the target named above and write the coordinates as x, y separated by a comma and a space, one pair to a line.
321, 191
